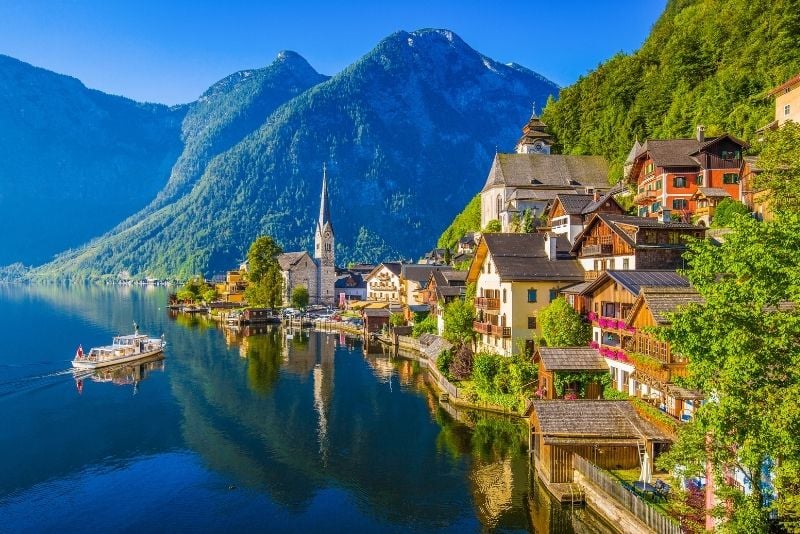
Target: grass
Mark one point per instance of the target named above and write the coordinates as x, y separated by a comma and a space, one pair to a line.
632, 475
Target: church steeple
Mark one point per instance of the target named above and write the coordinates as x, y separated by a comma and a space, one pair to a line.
323, 236
324, 203
535, 138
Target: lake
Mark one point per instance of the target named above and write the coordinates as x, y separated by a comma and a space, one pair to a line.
240, 431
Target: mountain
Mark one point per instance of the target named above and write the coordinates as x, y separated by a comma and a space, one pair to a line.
707, 62
407, 132
74, 162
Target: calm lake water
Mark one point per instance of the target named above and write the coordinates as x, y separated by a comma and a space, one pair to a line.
240, 432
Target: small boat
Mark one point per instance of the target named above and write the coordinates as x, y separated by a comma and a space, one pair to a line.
122, 349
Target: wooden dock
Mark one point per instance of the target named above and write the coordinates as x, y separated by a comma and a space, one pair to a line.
564, 492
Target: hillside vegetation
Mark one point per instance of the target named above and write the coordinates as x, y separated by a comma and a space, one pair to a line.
467, 221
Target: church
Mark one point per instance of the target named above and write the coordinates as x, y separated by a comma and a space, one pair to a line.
317, 274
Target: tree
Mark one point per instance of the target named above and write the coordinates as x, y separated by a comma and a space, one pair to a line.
493, 227
461, 366
425, 326
300, 297
458, 318
780, 168
192, 290
265, 282
743, 347
397, 319
562, 326
210, 294
726, 210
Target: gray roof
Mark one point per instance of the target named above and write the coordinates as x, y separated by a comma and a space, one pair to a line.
712, 192
663, 301
593, 418
393, 267
548, 171
574, 203
577, 289
418, 272
678, 152
289, 259
633, 281
523, 257
615, 221
417, 308
376, 312
572, 359
350, 281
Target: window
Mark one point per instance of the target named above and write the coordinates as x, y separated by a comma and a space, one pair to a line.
553, 294
531, 295
626, 264
649, 168
655, 207
504, 296
698, 179
531, 323
659, 185
679, 181
787, 109
730, 154
730, 178
499, 206
680, 204
642, 212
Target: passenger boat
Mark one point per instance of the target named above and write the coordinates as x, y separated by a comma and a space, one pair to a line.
122, 349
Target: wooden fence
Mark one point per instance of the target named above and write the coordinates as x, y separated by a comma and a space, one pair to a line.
650, 516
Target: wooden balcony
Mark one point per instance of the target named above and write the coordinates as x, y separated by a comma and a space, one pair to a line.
591, 275
482, 328
649, 346
501, 331
603, 249
491, 329
703, 211
486, 303
710, 161
647, 197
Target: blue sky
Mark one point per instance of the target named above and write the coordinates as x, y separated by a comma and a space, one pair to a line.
171, 51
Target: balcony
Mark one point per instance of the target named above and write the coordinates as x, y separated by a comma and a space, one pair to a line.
486, 303
491, 329
710, 161
591, 275
648, 346
604, 249
646, 197
482, 328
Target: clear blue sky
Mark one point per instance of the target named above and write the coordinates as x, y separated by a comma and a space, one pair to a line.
171, 51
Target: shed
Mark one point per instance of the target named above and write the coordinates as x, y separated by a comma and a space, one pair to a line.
375, 319
569, 360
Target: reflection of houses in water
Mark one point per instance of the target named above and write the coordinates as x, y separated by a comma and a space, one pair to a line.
492, 489
127, 374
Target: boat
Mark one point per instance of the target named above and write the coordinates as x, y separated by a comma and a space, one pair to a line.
122, 349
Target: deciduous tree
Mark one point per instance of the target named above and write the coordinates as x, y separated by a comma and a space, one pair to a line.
265, 283
562, 326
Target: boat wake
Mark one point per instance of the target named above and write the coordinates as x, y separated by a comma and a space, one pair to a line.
29, 383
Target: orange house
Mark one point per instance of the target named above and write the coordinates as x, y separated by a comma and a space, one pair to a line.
668, 172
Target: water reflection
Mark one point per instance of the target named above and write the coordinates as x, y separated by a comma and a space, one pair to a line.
127, 374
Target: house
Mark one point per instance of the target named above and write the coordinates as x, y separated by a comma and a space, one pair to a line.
624, 242
706, 200
317, 274
231, 289
383, 282
443, 287
413, 279
570, 212
516, 275
437, 256
349, 287
787, 102
555, 363
608, 300
375, 319
647, 367
466, 245
667, 172
608, 433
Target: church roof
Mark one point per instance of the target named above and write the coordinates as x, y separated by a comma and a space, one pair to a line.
287, 260
324, 203
548, 171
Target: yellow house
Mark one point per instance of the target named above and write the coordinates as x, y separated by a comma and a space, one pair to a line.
787, 101
232, 290
516, 276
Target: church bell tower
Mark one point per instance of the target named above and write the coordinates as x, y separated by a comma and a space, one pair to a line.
324, 246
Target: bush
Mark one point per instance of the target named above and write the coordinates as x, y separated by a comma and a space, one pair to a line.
397, 319
425, 326
726, 211
443, 363
562, 326
461, 367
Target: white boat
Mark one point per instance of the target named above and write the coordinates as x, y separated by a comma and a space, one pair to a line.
122, 349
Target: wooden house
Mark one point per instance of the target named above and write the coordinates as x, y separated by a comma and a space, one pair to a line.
608, 433
442, 288
383, 282
565, 361
706, 200
375, 319
623, 242
570, 212
667, 172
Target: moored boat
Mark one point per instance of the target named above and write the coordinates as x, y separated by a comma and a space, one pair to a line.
122, 349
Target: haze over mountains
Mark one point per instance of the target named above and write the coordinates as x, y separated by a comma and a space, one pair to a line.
407, 131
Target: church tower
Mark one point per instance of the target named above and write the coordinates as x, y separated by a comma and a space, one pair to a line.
535, 138
324, 246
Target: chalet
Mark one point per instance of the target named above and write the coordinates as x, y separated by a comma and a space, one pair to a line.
561, 362
519, 182
516, 275
570, 212
231, 289
437, 256
466, 245
375, 319
667, 172
647, 367
349, 287
414, 278
787, 102
623, 242
383, 282
706, 200
608, 433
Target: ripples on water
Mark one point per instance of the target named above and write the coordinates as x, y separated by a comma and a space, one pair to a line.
234, 431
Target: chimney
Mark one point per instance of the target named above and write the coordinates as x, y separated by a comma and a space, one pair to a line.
596, 195
550, 246
665, 216
701, 133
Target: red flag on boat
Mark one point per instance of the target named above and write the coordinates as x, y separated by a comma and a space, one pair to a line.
79, 352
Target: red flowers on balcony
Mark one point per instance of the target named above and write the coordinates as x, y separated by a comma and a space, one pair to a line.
612, 354
592, 316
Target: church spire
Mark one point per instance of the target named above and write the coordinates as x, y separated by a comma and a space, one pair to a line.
324, 204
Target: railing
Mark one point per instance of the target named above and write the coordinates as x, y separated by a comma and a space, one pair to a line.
486, 303
597, 250
382, 286
710, 161
591, 275
647, 345
481, 328
633, 503
644, 198
501, 331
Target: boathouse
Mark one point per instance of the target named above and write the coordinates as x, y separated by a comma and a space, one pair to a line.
569, 371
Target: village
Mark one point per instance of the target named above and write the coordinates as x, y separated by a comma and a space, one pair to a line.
552, 309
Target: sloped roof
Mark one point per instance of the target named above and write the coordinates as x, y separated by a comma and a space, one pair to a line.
633, 281
572, 359
711, 192
785, 85
350, 281
662, 301
391, 266
377, 312
577, 289
679, 152
615, 220
635, 151
549, 170
614, 419
521, 257
418, 272
288, 259
574, 203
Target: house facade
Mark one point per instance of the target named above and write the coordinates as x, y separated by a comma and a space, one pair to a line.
787, 102
383, 283
570, 212
517, 275
668, 172
443, 287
